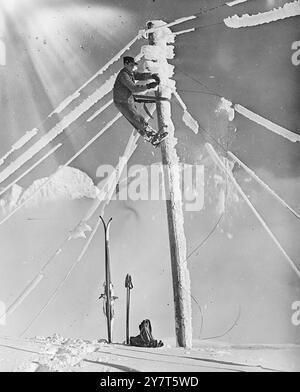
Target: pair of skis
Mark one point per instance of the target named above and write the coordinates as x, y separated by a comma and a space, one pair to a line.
108, 295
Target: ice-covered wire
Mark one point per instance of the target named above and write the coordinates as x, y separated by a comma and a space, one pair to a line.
91, 141
32, 167
66, 102
32, 284
62, 282
129, 150
288, 10
59, 128
281, 131
216, 93
38, 277
229, 329
263, 184
219, 162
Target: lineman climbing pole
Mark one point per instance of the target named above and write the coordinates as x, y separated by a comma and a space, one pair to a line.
170, 160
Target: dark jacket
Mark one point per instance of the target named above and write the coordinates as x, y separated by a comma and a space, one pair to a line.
125, 85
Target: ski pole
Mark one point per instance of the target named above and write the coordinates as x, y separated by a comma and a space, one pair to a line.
129, 286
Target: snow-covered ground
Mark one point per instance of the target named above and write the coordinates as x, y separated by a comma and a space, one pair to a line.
58, 354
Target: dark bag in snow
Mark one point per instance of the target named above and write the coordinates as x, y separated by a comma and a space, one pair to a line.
145, 338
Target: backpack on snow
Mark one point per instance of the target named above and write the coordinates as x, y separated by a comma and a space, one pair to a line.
145, 338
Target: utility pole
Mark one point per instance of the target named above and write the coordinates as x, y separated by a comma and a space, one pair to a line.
172, 175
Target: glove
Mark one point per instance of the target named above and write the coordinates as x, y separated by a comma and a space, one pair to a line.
156, 78
151, 85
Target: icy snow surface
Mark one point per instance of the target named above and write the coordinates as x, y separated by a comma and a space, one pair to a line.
59, 354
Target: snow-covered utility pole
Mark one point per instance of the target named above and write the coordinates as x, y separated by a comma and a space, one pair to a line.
156, 55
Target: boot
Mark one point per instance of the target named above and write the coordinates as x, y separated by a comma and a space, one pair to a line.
158, 138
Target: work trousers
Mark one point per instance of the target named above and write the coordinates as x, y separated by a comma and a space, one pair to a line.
131, 113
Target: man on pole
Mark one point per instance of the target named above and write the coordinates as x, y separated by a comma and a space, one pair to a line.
123, 95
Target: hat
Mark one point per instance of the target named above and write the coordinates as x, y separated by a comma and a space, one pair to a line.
128, 60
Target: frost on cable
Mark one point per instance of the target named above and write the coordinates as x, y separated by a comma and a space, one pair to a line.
19, 300
235, 2
262, 183
75, 95
223, 165
225, 105
66, 121
24, 139
287, 11
187, 117
292, 136
20, 143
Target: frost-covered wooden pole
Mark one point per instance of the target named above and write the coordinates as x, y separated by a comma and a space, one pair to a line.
156, 55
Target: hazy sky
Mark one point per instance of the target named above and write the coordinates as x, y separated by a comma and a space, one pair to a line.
53, 47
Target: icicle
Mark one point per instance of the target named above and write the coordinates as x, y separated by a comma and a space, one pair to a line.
187, 117
293, 137
219, 162
261, 182
20, 143
287, 11
30, 168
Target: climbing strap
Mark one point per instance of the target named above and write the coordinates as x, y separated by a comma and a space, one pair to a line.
148, 99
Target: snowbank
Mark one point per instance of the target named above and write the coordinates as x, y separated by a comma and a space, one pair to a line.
68, 184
